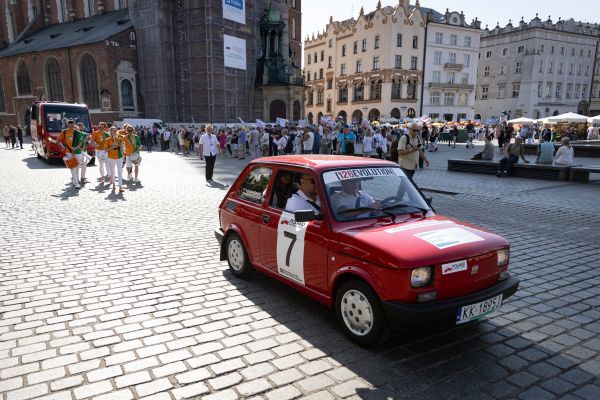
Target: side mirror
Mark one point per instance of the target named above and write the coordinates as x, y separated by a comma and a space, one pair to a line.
429, 200
307, 216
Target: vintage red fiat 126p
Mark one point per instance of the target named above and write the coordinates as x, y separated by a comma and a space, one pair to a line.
364, 240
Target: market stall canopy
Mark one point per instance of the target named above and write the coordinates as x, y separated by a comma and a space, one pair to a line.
568, 117
594, 120
543, 121
522, 121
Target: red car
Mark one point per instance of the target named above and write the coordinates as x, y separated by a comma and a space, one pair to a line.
357, 234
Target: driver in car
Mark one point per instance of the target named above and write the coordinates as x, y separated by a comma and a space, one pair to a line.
351, 197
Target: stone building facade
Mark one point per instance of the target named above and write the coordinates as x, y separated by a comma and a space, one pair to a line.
595, 94
182, 60
536, 69
80, 51
450, 73
371, 67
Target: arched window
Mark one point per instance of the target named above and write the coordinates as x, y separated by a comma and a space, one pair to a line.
411, 113
375, 90
54, 81
23, 80
395, 113
127, 95
359, 92
319, 116
277, 110
374, 115
2, 103
89, 82
310, 118
396, 89
357, 117
342, 114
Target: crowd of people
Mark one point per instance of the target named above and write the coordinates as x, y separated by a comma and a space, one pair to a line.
11, 135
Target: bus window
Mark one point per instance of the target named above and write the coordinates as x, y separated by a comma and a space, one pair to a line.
56, 117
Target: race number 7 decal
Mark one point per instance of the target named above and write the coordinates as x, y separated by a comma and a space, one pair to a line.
292, 236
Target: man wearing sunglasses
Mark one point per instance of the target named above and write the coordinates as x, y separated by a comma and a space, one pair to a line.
306, 197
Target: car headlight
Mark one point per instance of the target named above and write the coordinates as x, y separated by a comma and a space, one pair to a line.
421, 277
503, 256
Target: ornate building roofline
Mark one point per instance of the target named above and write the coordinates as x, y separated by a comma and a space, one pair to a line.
566, 26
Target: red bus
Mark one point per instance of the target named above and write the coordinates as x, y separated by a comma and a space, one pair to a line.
48, 119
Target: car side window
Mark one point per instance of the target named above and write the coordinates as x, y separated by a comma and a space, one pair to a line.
284, 186
255, 186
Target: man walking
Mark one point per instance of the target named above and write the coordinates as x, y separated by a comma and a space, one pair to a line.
209, 145
410, 151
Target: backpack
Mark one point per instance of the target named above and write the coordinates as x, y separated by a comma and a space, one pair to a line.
289, 146
394, 149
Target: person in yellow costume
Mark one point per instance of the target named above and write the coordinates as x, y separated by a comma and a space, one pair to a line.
132, 152
99, 136
114, 147
70, 140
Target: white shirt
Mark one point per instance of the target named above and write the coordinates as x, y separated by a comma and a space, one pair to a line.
308, 143
564, 155
281, 142
299, 201
346, 201
209, 144
368, 143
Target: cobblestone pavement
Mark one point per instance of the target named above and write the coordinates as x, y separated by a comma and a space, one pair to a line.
119, 297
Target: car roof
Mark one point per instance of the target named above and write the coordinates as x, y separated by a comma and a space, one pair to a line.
323, 162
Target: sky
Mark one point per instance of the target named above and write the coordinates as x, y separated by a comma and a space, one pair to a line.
315, 13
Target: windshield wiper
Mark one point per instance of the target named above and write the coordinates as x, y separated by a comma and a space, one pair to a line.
349, 210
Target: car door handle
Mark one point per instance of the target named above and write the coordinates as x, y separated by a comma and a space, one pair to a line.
265, 219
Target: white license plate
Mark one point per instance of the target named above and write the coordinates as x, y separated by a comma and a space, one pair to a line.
478, 310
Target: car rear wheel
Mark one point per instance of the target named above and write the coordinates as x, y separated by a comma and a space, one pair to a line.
237, 257
359, 312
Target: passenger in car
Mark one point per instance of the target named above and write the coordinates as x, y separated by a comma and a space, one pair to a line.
283, 189
306, 197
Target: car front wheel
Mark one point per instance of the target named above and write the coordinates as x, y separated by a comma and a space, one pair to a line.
359, 312
237, 257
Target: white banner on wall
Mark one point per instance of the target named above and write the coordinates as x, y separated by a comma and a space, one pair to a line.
235, 10
234, 52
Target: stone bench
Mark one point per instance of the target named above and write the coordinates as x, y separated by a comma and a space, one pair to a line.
581, 173
580, 149
520, 169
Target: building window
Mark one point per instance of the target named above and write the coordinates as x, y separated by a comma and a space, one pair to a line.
329, 62
308, 59
437, 58
359, 92
467, 60
462, 99
309, 98
436, 76
484, 92
577, 88
464, 78
540, 86
355, 48
415, 42
516, 87
550, 67
376, 90
467, 41
486, 70
571, 69
320, 97
322, 55
396, 89
558, 93
343, 69
488, 54
89, 82
294, 36
449, 99
399, 40
54, 80
2, 102
127, 103
364, 45
569, 93
584, 91
411, 90
377, 41
23, 80
517, 67
453, 40
560, 69
375, 63
501, 91
398, 61
439, 37
330, 42
320, 73
358, 66
315, 57
328, 109
451, 77
434, 99
343, 94
520, 49
344, 50
413, 63
502, 69
549, 89
452, 58
541, 66
307, 76
551, 49
579, 69
504, 51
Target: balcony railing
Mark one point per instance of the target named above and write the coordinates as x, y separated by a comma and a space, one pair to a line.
443, 85
453, 66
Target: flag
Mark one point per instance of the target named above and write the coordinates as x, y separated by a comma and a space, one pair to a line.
281, 122
260, 124
241, 120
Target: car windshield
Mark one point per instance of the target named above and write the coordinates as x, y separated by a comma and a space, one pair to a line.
58, 115
371, 192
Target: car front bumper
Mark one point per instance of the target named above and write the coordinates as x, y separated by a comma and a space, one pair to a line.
442, 312
219, 234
